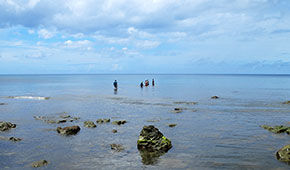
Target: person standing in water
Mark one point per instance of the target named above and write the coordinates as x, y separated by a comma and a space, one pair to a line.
115, 85
141, 85
153, 83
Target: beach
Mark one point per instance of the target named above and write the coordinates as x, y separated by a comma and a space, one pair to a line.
208, 133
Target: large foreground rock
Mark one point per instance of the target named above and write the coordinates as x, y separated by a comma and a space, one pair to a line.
152, 144
70, 130
284, 154
6, 126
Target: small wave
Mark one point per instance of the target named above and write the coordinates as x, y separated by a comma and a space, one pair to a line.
29, 97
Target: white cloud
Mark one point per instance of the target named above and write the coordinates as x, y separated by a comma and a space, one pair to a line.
44, 33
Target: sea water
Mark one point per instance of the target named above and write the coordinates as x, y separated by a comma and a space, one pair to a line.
222, 133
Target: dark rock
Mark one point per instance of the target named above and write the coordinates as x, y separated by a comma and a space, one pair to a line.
172, 125
152, 144
284, 154
119, 122
178, 110
277, 129
6, 126
61, 121
70, 130
103, 120
39, 163
89, 124
117, 147
287, 102
215, 97
114, 131
14, 139
3, 103
151, 139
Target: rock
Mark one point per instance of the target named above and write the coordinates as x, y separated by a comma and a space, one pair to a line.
6, 126
172, 125
152, 140
215, 97
287, 102
114, 131
39, 117
89, 124
178, 110
117, 147
14, 139
103, 120
283, 154
277, 129
61, 121
70, 130
39, 163
119, 122
3, 103
50, 121
65, 116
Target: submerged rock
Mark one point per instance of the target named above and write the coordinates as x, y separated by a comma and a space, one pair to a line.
14, 139
152, 144
114, 131
117, 147
70, 130
3, 103
172, 125
119, 122
6, 126
61, 121
287, 102
215, 97
277, 129
39, 163
183, 102
283, 154
103, 120
89, 124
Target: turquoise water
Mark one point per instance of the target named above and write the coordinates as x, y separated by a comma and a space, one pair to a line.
213, 134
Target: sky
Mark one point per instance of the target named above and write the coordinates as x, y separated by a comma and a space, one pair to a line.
151, 36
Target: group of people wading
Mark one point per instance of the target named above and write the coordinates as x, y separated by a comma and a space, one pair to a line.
146, 83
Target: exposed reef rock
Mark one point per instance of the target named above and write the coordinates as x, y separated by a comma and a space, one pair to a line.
277, 129
172, 125
114, 131
103, 120
117, 147
89, 124
283, 154
70, 130
215, 97
119, 122
6, 126
39, 163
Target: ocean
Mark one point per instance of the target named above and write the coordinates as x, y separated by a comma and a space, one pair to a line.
221, 133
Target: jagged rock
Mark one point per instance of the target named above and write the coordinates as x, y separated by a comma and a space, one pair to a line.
70, 130
172, 125
39, 163
152, 144
117, 147
151, 139
287, 102
277, 129
89, 124
114, 131
103, 120
215, 97
14, 139
6, 126
119, 122
283, 154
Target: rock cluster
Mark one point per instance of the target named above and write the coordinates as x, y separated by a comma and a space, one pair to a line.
70, 130
6, 126
89, 124
103, 120
119, 122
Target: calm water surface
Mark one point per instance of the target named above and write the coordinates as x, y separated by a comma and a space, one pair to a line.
213, 134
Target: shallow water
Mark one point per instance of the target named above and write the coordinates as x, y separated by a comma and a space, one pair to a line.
212, 134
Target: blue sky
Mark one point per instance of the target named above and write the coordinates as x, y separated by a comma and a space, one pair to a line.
152, 36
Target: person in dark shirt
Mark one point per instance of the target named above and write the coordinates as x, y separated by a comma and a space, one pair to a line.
153, 83
115, 85
141, 85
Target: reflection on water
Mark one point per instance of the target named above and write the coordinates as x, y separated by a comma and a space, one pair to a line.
210, 134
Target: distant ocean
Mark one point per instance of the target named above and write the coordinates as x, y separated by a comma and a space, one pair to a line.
221, 133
